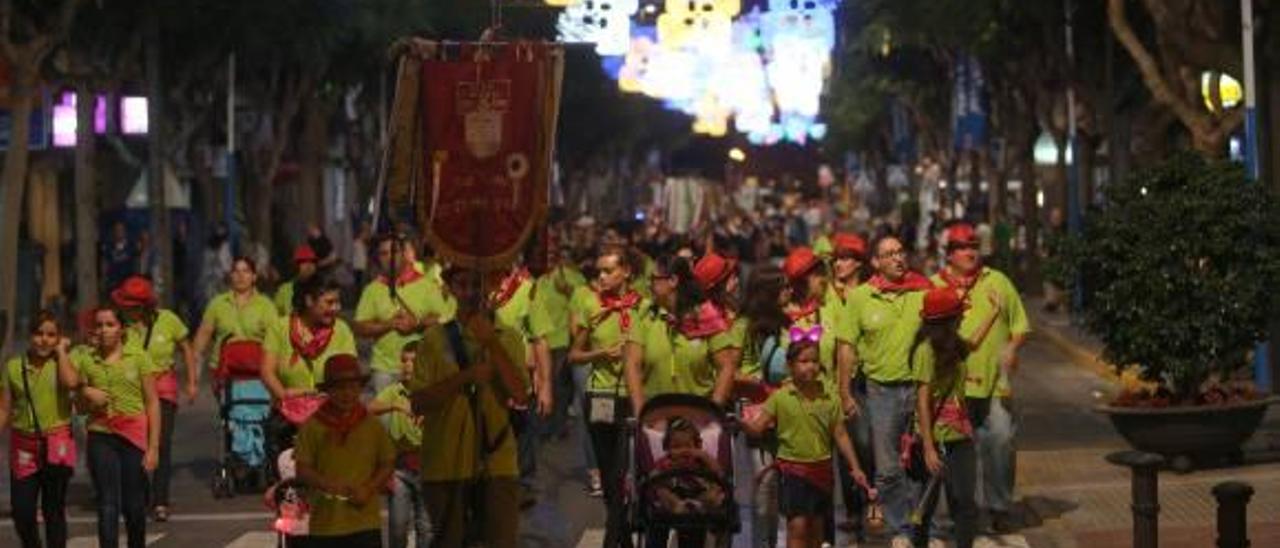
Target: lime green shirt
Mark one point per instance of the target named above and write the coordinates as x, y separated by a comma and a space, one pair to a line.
883, 327
831, 317
299, 373
805, 425
822, 246
52, 403
605, 331
122, 381
284, 298
406, 435
985, 378
166, 332
514, 314
420, 298
352, 461
451, 453
554, 305
229, 321
946, 392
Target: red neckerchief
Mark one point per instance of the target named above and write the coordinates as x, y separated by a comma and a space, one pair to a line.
964, 283
338, 423
507, 289
802, 311
704, 322
408, 275
309, 349
620, 304
912, 281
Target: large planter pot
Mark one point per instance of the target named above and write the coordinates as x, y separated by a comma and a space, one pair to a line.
1190, 435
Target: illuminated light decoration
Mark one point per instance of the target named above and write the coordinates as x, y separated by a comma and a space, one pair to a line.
800, 36
710, 116
1229, 88
741, 82
736, 154
605, 23
634, 72
704, 25
562, 3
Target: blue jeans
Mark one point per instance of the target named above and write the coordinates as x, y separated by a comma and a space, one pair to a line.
855, 499
581, 375
889, 408
406, 507
995, 427
527, 445
121, 485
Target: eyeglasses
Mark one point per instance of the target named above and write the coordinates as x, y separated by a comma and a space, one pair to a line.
661, 277
893, 254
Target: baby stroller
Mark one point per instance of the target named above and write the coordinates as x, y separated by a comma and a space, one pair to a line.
243, 407
679, 498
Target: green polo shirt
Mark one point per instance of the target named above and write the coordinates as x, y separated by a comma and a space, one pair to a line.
946, 391
450, 429
122, 381
822, 246
251, 321
831, 317
166, 332
421, 298
351, 461
605, 331
805, 426
883, 328
52, 404
554, 305
673, 363
406, 435
984, 376
303, 374
514, 314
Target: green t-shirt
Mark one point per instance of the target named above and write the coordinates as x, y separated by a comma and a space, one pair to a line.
883, 328
822, 246
805, 426
122, 381
231, 322
673, 363
52, 402
514, 314
406, 435
831, 317
292, 369
421, 298
985, 378
352, 461
551, 307
284, 298
450, 428
605, 331
947, 393
166, 332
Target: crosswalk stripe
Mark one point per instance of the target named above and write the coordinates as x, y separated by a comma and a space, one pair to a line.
92, 541
591, 538
254, 539
212, 516
1001, 541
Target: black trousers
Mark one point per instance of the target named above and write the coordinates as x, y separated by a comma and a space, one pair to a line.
164, 466
363, 539
47, 490
121, 484
607, 441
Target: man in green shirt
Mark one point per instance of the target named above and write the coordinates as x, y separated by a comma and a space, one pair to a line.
886, 316
990, 365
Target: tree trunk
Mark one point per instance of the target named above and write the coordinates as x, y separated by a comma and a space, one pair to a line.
86, 203
314, 153
14, 179
161, 235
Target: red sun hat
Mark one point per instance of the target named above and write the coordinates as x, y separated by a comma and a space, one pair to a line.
133, 292
799, 262
941, 303
961, 233
711, 270
340, 368
304, 254
849, 242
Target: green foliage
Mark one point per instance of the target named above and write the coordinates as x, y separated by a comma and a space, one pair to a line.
1182, 264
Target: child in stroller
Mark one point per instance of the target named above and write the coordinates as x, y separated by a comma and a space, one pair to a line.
684, 470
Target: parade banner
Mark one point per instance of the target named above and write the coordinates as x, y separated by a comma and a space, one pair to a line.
473, 155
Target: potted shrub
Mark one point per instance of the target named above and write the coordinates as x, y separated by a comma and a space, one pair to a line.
1182, 266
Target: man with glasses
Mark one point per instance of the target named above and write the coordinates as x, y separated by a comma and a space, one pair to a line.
989, 366
883, 324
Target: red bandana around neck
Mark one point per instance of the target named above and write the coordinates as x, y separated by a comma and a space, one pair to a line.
803, 311
704, 322
308, 343
620, 304
960, 281
339, 423
911, 281
408, 275
507, 289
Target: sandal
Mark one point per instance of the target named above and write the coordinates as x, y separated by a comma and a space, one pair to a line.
875, 515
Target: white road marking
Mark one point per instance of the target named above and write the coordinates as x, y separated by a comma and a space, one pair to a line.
591, 538
254, 539
92, 542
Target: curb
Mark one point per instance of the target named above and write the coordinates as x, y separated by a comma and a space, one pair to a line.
1079, 355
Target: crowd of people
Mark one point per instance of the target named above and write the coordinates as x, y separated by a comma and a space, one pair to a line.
856, 376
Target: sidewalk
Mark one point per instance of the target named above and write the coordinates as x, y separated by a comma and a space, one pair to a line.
1071, 497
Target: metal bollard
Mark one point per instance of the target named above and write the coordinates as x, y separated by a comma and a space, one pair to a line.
1146, 500
1233, 501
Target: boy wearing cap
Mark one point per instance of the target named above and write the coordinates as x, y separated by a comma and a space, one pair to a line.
304, 260
989, 365
345, 457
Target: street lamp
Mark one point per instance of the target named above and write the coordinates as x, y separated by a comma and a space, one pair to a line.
736, 154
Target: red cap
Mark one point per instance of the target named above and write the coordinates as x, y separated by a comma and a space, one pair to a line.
941, 303
848, 242
799, 262
711, 270
303, 254
134, 291
961, 233
342, 367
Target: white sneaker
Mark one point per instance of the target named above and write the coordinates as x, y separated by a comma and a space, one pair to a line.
900, 541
